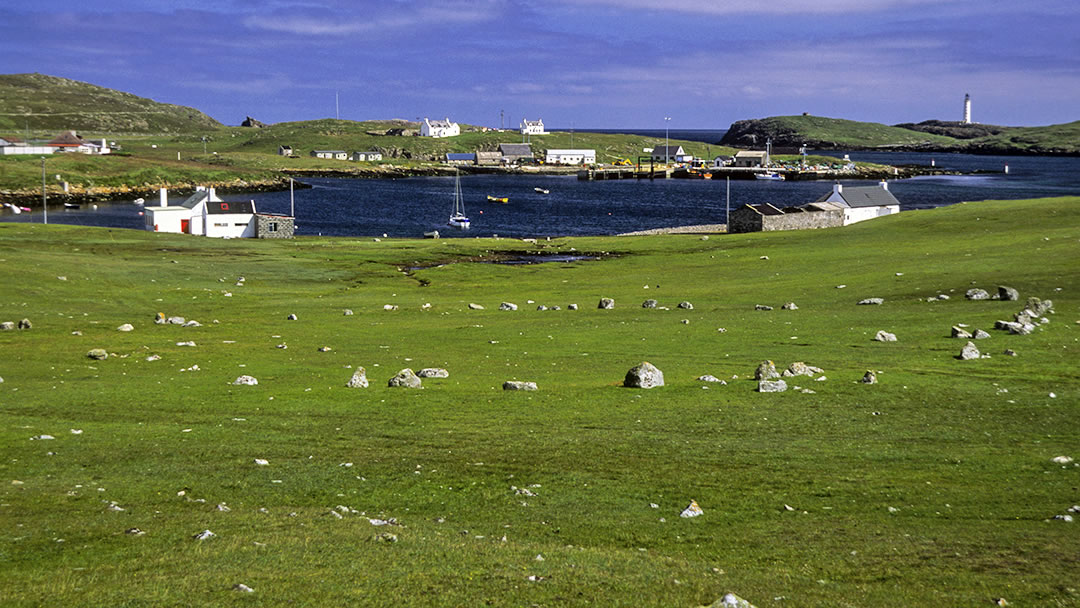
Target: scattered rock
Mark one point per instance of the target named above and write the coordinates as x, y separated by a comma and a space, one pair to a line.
205, 534
731, 601
606, 304
245, 380
650, 303
766, 370
1007, 293
884, 336
348, 312
798, 368
325, 349
153, 358
243, 588
517, 385
508, 306
192, 323
291, 317
25, 324
475, 306
1010, 352
571, 307
389, 307
686, 305
541, 307
710, 378
970, 351
692, 510
762, 307
98, 354
771, 386
126, 327
359, 378
644, 375
1064, 518
981, 335
262, 462
789, 306
1038, 307
871, 302
176, 320
433, 372
959, 332
869, 377
134, 532
7, 326
1061, 459
405, 379
188, 343
976, 294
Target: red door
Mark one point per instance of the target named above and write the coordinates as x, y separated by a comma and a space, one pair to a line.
185, 226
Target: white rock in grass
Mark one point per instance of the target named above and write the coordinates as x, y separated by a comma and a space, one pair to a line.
731, 601
126, 327
262, 462
644, 375
205, 534
245, 380
188, 343
692, 510
359, 378
884, 336
241, 587
1062, 459
433, 372
42, 437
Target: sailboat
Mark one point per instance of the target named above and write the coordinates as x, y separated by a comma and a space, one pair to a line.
458, 219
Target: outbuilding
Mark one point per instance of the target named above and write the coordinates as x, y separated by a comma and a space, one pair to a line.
570, 157
863, 202
204, 214
331, 154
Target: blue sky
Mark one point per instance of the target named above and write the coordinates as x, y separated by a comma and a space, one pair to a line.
582, 63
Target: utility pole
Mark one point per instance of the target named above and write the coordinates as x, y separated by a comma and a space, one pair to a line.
292, 203
44, 206
727, 204
337, 107
667, 121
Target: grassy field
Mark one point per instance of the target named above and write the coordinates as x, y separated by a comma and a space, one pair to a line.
934, 487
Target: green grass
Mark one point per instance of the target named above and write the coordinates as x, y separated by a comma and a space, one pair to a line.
967, 465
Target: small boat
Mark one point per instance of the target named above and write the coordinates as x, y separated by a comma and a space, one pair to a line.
458, 219
14, 209
72, 205
498, 199
139, 201
542, 190
776, 177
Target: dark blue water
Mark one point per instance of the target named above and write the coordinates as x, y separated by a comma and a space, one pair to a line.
709, 136
409, 207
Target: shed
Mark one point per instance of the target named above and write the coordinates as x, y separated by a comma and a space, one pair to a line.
512, 153
461, 158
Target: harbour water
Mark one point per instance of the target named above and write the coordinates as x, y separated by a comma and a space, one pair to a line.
409, 207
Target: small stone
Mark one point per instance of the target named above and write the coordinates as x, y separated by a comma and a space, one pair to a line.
348, 312
241, 587
245, 380
517, 385
291, 317
176, 320
710, 378
1010, 352
1007, 293
766, 370
406, 378
7, 326
262, 462
475, 307
325, 349
205, 534
1061, 459
187, 343
958, 332
98, 354
1065, 518
980, 334
772, 386
433, 372
685, 305
789, 306
359, 378
977, 294
644, 375
762, 307
389, 307
650, 303
871, 302
541, 307
970, 351
25, 324
606, 304
884, 336
869, 377
692, 510
508, 306
571, 306
126, 327
134, 532
731, 600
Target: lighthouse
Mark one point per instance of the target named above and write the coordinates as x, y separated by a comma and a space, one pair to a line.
967, 109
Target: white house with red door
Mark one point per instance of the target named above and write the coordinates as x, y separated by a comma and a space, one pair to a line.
204, 214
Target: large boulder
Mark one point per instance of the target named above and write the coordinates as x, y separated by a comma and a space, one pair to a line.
970, 351
644, 375
25, 324
797, 368
606, 304
359, 378
976, 293
1007, 293
771, 386
650, 303
766, 370
959, 332
405, 379
884, 336
433, 372
517, 385
98, 354
251, 122
1038, 307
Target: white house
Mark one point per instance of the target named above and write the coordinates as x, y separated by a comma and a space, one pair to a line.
370, 155
284, 150
70, 141
331, 154
863, 202
532, 127
570, 157
439, 128
751, 158
204, 214
11, 145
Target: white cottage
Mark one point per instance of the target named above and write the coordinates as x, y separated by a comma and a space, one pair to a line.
331, 154
439, 128
862, 202
532, 127
204, 214
570, 157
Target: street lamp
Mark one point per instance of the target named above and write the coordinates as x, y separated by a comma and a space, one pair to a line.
667, 120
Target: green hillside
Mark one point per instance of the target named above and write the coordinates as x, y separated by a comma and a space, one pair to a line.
47, 104
935, 486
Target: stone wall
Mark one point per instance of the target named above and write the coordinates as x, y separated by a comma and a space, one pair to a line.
749, 220
745, 220
285, 226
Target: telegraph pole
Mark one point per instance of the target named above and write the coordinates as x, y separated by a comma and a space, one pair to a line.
44, 206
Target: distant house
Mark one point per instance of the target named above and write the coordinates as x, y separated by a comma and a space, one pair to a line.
513, 153
570, 157
488, 157
750, 158
460, 158
533, 127
671, 153
331, 154
370, 155
863, 202
284, 150
13, 145
439, 128
70, 141
204, 214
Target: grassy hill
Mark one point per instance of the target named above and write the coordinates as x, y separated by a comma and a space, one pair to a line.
46, 105
935, 486
838, 134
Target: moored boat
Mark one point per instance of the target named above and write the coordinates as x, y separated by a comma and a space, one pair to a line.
776, 177
542, 190
458, 219
498, 199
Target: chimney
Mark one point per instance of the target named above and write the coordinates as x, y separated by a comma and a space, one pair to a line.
838, 188
884, 184
164, 194
211, 195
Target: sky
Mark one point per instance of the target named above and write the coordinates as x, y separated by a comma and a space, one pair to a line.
641, 64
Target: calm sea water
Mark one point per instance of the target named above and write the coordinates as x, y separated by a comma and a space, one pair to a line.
409, 207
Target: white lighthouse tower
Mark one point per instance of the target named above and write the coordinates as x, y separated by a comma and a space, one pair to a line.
967, 109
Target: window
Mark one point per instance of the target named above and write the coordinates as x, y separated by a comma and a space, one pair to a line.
221, 224
271, 227
224, 206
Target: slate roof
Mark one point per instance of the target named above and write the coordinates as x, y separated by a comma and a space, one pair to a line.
671, 151
66, 139
515, 149
864, 196
749, 154
460, 156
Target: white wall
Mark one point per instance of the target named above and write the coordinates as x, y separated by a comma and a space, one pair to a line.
230, 225
858, 214
165, 219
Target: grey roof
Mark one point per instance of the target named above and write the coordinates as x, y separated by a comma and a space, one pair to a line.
864, 196
764, 209
670, 150
515, 149
328, 152
750, 154
195, 199
460, 156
